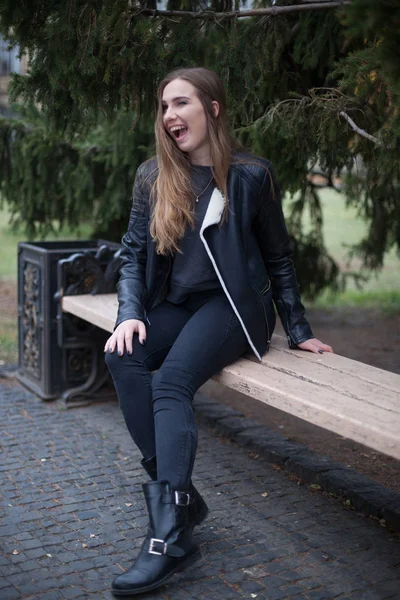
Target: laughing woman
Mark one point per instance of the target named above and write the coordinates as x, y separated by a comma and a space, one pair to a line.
205, 258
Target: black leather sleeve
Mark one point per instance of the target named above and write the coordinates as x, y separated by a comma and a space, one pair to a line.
275, 246
131, 286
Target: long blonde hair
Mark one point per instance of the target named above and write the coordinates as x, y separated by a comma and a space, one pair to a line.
172, 194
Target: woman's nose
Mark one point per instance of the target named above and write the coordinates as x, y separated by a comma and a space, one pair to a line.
169, 114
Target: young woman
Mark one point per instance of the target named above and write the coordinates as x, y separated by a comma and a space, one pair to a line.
205, 258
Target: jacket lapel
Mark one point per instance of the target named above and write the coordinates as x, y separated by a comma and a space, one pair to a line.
215, 209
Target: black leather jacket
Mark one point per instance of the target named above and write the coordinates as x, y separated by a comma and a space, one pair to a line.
250, 250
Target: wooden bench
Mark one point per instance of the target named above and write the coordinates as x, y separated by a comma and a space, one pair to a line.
352, 399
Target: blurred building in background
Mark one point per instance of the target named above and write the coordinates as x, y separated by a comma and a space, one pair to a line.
9, 63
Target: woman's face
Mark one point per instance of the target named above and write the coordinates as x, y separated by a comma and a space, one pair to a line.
185, 120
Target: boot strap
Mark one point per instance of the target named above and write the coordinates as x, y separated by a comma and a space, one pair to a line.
161, 548
178, 498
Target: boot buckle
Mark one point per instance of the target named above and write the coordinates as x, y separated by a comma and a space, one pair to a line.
152, 550
182, 498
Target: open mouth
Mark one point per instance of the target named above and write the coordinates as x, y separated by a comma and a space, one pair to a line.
178, 131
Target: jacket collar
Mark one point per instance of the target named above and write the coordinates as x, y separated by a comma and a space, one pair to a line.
215, 209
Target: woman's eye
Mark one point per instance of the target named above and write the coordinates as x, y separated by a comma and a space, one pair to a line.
181, 102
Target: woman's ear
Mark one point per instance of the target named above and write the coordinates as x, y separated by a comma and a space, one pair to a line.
215, 108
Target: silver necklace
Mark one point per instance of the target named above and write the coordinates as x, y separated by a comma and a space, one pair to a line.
202, 192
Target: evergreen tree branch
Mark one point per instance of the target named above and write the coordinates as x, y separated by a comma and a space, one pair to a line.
237, 14
358, 130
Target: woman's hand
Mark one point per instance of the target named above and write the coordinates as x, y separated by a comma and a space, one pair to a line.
314, 345
123, 336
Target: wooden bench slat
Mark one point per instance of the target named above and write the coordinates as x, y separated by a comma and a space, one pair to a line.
100, 310
319, 373
341, 365
327, 408
379, 436
347, 397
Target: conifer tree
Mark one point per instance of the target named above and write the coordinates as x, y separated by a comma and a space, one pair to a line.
311, 85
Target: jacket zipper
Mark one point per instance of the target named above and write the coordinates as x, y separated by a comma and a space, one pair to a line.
286, 324
266, 287
265, 312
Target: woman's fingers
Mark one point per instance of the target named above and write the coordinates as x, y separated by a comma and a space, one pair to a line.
109, 346
326, 348
308, 345
122, 338
141, 332
128, 340
315, 345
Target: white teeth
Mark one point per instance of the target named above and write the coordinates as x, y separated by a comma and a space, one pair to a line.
177, 127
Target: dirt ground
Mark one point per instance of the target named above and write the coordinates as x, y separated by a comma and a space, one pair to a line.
361, 334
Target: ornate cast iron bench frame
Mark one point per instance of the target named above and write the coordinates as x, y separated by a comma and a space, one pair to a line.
85, 273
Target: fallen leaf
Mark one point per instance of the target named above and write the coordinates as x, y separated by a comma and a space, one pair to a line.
15, 552
84, 545
128, 503
315, 486
264, 495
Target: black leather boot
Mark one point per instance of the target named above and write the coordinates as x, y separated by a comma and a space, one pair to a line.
168, 546
198, 510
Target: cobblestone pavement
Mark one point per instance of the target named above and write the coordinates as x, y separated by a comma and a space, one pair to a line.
72, 517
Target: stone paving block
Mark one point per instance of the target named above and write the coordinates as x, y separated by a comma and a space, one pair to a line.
391, 512
252, 587
319, 595
10, 593
274, 594
51, 595
31, 544
71, 592
292, 590
4, 583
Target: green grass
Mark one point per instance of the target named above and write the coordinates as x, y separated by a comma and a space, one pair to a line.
8, 342
342, 227
386, 301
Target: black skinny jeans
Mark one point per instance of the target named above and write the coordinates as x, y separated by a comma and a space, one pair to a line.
186, 344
